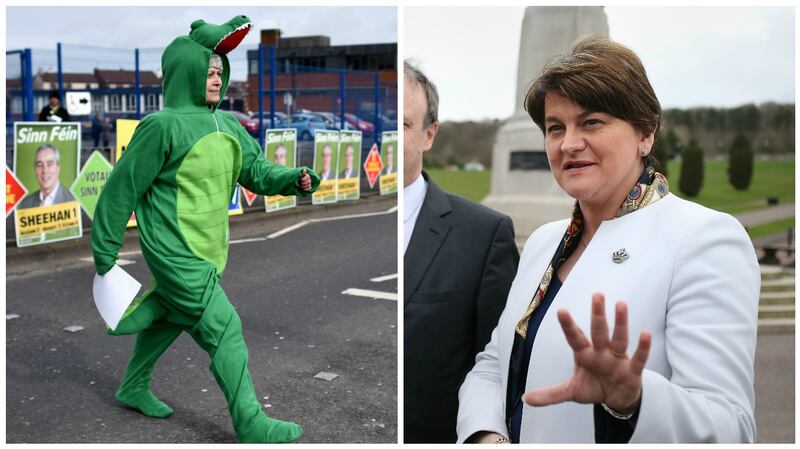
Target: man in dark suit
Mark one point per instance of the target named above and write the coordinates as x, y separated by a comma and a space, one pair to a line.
389, 169
460, 259
350, 171
47, 166
325, 171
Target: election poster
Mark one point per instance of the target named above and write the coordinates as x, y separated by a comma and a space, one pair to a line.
281, 149
46, 158
349, 185
125, 129
235, 206
326, 156
15, 192
388, 179
90, 182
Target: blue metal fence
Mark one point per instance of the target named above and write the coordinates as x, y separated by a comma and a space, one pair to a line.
352, 98
375, 104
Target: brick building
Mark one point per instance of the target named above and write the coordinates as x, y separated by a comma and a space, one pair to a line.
308, 74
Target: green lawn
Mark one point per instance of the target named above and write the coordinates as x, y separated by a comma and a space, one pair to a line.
775, 227
770, 179
469, 184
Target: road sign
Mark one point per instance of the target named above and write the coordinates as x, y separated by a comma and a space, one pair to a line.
373, 165
90, 182
249, 196
79, 103
15, 191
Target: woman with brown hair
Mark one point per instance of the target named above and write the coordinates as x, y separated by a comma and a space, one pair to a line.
685, 278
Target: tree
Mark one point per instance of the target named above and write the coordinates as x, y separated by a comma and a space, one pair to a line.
691, 170
673, 143
660, 153
740, 163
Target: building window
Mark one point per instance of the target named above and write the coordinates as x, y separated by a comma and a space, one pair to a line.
114, 103
40, 102
151, 102
16, 105
131, 102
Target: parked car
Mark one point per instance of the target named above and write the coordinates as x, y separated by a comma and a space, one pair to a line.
306, 124
249, 124
281, 119
361, 125
334, 121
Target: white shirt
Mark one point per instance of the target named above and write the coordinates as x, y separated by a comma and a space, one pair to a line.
413, 196
47, 200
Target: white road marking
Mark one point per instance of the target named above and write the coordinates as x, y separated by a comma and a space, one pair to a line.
254, 239
370, 294
120, 262
345, 217
288, 230
388, 277
130, 253
275, 234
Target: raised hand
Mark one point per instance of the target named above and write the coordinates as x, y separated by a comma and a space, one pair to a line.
305, 181
603, 373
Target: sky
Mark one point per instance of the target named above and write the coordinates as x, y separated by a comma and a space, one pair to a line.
694, 56
121, 29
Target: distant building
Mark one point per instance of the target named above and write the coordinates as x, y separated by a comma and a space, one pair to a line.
308, 78
112, 90
117, 95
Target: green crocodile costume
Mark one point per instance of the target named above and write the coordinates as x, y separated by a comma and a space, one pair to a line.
179, 173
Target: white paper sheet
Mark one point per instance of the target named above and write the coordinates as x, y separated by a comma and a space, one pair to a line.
113, 293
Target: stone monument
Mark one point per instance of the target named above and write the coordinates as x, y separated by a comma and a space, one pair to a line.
522, 185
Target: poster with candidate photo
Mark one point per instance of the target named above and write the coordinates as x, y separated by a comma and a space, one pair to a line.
389, 158
281, 149
46, 158
348, 185
326, 156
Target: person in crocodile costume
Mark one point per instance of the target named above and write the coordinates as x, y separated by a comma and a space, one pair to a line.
179, 173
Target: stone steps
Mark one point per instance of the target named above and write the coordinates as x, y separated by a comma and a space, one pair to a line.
777, 285
776, 326
776, 298
771, 272
776, 305
776, 311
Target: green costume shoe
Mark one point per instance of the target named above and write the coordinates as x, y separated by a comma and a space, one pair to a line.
145, 402
179, 172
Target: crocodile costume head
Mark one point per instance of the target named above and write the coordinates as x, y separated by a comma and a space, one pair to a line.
185, 61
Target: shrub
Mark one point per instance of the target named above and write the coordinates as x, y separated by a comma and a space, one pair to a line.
740, 163
691, 181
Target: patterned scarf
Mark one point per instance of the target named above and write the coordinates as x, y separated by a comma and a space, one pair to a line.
651, 187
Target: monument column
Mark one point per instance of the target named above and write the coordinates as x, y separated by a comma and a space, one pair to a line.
522, 185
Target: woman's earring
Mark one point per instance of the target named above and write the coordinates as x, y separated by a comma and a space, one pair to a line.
644, 152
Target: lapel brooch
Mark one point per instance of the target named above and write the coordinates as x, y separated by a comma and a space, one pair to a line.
620, 255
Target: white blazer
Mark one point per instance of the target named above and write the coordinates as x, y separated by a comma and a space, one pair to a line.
692, 279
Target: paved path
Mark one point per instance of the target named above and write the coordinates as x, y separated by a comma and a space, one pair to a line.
770, 214
775, 389
297, 323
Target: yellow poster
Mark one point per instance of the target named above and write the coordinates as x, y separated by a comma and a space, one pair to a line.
48, 223
388, 183
125, 128
349, 188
